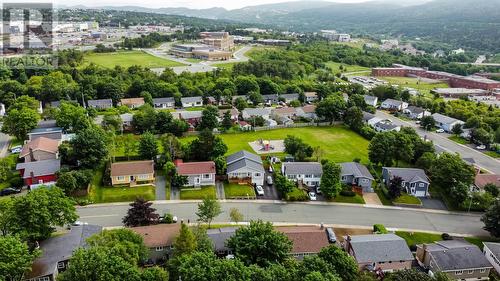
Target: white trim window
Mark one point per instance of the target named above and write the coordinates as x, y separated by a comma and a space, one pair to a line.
120, 178
459, 272
60, 265
207, 176
159, 249
470, 271
143, 177
482, 270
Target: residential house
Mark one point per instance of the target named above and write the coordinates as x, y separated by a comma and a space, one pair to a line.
370, 119
127, 121
47, 129
309, 173
345, 97
197, 173
482, 180
244, 126
248, 113
56, 252
492, 253
444, 122
311, 96
371, 100
386, 126
40, 149
270, 99
459, 259
284, 115
307, 111
132, 173
191, 117
288, 98
415, 112
132, 102
219, 237
164, 103
244, 166
357, 174
394, 105
39, 172
307, 240
232, 111
385, 252
57, 104
415, 181
191, 102
159, 239
100, 104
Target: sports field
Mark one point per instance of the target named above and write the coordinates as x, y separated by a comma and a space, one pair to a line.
127, 59
415, 83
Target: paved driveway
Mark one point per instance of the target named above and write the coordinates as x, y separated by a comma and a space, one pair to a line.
219, 189
160, 190
371, 198
436, 204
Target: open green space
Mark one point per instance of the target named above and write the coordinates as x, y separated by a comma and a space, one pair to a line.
227, 65
458, 139
415, 83
120, 145
493, 154
407, 199
335, 66
127, 59
414, 238
338, 143
356, 199
202, 193
234, 190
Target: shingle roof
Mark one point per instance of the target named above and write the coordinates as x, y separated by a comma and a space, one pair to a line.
132, 168
311, 94
309, 108
370, 99
43, 144
219, 237
386, 126
457, 255
159, 235
243, 154
483, 179
407, 174
163, 100
270, 97
443, 119
196, 168
245, 163
101, 102
380, 248
290, 96
368, 116
39, 168
302, 168
60, 248
305, 239
132, 101
285, 111
127, 117
393, 102
191, 99
187, 114
256, 111
494, 248
415, 109
355, 169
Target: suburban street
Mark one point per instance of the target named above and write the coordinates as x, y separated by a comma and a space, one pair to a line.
4, 144
111, 215
482, 160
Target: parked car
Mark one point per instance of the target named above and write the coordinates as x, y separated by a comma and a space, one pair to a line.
481, 147
269, 180
312, 196
16, 149
331, 235
9, 191
439, 131
259, 190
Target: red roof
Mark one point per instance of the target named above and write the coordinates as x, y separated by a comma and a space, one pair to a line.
483, 179
306, 239
196, 168
41, 143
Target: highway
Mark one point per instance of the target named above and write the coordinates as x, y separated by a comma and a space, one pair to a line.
110, 215
482, 160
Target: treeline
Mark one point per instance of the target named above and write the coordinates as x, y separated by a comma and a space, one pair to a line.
145, 41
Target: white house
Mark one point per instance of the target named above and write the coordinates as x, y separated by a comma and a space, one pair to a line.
415, 112
492, 253
244, 166
163, 103
444, 122
191, 101
308, 172
311, 96
396, 105
371, 100
370, 119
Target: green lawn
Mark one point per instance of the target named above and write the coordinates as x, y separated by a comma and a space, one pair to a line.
383, 199
408, 199
119, 149
458, 139
15, 142
346, 199
204, 192
296, 193
339, 144
347, 67
414, 238
423, 87
232, 190
127, 59
228, 65
478, 241
493, 154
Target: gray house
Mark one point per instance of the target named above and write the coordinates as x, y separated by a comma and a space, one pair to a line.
248, 113
219, 238
371, 100
289, 97
457, 258
270, 99
444, 122
370, 119
415, 181
354, 173
164, 103
159, 239
396, 105
57, 251
309, 173
197, 173
244, 166
191, 101
100, 104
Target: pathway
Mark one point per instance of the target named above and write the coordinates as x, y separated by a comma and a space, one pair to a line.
371, 198
219, 188
175, 193
160, 189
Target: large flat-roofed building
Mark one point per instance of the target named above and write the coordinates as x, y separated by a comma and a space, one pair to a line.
458, 92
199, 51
219, 40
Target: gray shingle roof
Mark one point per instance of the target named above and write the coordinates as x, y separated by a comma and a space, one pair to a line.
191, 99
245, 163
443, 119
368, 116
380, 248
163, 100
356, 169
407, 174
457, 255
494, 248
40, 168
386, 126
243, 154
290, 96
219, 237
415, 109
393, 102
370, 99
257, 111
101, 102
302, 168
60, 248
273, 98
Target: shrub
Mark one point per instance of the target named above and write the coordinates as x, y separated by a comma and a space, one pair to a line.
296, 197
380, 229
446, 236
16, 182
167, 218
348, 193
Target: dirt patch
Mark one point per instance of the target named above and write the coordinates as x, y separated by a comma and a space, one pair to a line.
341, 232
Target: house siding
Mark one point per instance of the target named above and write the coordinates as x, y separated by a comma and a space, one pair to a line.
311, 181
473, 274
491, 258
37, 180
200, 180
257, 177
158, 255
116, 180
389, 266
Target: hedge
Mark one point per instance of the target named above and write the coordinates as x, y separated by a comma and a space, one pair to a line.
380, 229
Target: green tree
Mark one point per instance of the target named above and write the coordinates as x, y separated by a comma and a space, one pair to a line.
235, 215
185, 243
314, 264
426, 160
145, 119
331, 108
395, 187
15, 258
112, 122
154, 274
409, 275
449, 169
67, 183
209, 118
203, 242
245, 85
282, 184
148, 147
172, 146
19, 123
427, 122
491, 219
259, 244
402, 148
206, 147
343, 264
71, 117
457, 129
353, 118
208, 209
36, 214
6, 215
227, 122
140, 214
129, 147
330, 180
5, 169
381, 148
90, 147
296, 147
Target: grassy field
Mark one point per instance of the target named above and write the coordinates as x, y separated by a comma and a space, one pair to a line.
232, 190
493, 154
408, 199
119, 150
228, 65
193, 194
357, 199
127, 59
414, 238
421, 86
458, 139
347, 67
339, 144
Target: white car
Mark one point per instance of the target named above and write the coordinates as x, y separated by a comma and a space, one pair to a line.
481, 147
259, 190
439, 131
16, 149
312, 196
269, 180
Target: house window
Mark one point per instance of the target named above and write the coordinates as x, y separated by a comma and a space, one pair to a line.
159, 249
257, 174
207, 176
482, 270
412, 184
143, 177
60, 265
421, 184
459, 272
343, 178
470, 271
308, 176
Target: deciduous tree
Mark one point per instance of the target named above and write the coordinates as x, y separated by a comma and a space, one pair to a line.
148, 147
208, 209
140, 214
90, 147
15, 258
330, 180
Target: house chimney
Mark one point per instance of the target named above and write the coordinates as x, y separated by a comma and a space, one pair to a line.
32, 156
322, 226
32, 175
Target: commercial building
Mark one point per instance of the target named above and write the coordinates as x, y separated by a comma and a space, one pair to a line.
199, 51
218, 40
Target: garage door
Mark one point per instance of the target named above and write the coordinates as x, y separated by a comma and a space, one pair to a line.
420, 193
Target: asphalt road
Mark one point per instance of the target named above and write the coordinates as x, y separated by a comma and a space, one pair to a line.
335, 214
482, 160
4, 144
